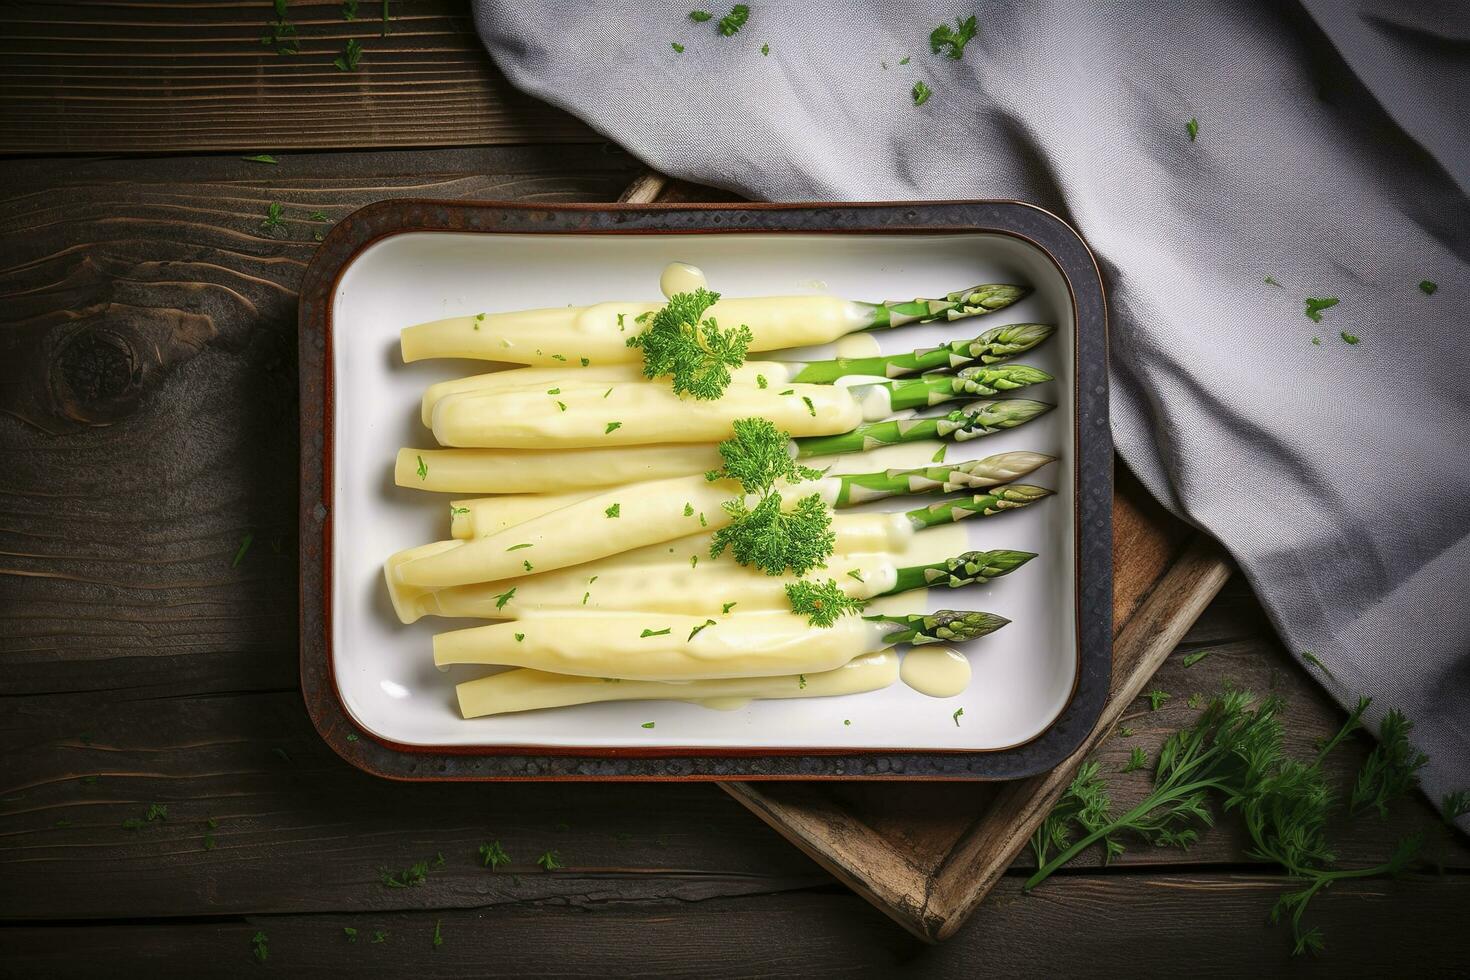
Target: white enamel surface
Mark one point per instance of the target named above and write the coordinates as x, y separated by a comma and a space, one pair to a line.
1022, 675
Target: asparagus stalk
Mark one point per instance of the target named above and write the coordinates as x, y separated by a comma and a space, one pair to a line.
944, 626
971, 568
525, 689
643, 414
997, 501
975, 420
478, 516
599, 333
991, 347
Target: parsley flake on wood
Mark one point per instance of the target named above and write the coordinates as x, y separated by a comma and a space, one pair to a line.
492, 855
410, 877
1428, 288
1137, 759
272, 219
1194, 658
349, 59
663, 632
280, 34
1156, 698
259, 947
267, 158
616, 510
350, 933
551, 860
1315, 306
954, 38
438, 937
379, 935
731, 23
921, 93
690, 348
349, 9
1192, 128
505, 597
244, 547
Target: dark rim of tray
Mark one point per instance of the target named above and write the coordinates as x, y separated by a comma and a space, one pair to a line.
1094, 493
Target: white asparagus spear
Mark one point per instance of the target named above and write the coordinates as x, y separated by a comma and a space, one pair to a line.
562, 336
610, 522
663, 646
476, 517
529, 471
856, 535
528, 690
775, 372
670, 647
642, 413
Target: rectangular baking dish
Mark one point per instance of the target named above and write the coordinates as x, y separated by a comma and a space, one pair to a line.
368, 681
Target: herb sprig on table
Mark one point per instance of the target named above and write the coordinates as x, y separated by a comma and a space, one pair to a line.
1233, 754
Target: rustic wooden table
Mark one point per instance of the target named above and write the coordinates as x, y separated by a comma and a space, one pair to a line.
148, 585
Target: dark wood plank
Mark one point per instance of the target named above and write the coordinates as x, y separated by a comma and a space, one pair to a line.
82, 77
1088, 925
141, 298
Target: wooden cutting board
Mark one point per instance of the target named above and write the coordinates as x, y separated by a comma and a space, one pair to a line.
928, 854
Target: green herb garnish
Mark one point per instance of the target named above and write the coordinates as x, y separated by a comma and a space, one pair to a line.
801, 682
410, 877
551, 860
611, 427
690, 348
245, 543
958, 712
1428, 288
1191, 659
616, 510
1137, 759
520, 637
272, 219
518, 547
663, 632
921, 93
726, 607
938, 456
350, 57
423, 469
350, 933
1192, 128
267, 158
854, 573
677, 46
810, 408
505, 597
259, 947
700, 16
765, 50
1315, 306
438, 938
731, 23
280, 33
703, 626
1390, 770
492, 855
774, 540
1348, 338
1311, 658
954, 38
1271, 281
380, 935
1157, 697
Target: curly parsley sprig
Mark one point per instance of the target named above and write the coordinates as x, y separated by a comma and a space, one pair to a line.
690, 348
822, 603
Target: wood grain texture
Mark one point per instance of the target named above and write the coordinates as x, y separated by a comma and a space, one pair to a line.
1084, 925
148, 384
193, 76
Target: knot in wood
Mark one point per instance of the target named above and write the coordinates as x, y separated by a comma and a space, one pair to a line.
97, 376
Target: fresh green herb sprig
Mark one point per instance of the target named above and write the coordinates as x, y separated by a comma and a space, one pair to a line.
921, 93
492, 855
954, 38
690, 348
280, 34
1083, 804
351, 56
1315, 305
272, 220
731, 23
550, 860
1390, 770
260, 947
774, 540
1192, 128
822, 603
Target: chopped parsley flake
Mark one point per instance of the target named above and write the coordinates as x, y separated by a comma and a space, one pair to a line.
954, 38
1156, 698
1194, 658
612, 426
616, 510
726, 607
810, 408
260, 158
677, 46
700, 16
562, 406
731, 23
647, 724
958, 712
1316, 305
766, 50
693, 560
688, 510
423, 469
244, 547
761, 382
520, 637
1349, 338
921, 93
1192, 128
492, 855
585, 362
553, 391
585, 597
822, 603
518, 547
505, 597
663, 632
703, 626
550, 860
1271, 281
854, 573
1428, 287
801, 681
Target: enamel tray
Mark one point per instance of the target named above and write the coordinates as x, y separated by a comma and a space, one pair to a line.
370, 685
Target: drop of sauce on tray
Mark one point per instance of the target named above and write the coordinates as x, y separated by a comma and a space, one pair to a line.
681, 277
938, 671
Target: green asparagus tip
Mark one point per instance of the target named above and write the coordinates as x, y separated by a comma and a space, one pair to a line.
991, 296
974, 566
1008, 375
944, 626
982, 418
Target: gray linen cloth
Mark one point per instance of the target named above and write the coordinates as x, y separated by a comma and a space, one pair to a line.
1333, 155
